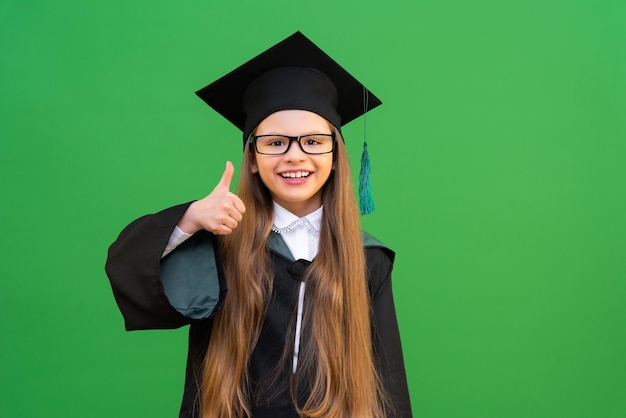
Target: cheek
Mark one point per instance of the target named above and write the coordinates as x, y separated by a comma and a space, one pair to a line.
330, 164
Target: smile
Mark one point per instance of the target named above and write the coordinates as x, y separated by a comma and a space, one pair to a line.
295, 174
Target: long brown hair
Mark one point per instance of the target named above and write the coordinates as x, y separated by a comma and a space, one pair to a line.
337, 365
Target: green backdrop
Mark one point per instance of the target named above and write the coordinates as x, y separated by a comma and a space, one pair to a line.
498, 170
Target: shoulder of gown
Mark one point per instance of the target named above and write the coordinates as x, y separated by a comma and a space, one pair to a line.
379, 260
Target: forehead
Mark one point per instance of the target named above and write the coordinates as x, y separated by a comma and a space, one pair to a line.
293, 122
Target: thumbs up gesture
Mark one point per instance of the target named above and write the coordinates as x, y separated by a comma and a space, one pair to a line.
220, 212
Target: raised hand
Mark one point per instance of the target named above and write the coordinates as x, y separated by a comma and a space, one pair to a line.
220, 212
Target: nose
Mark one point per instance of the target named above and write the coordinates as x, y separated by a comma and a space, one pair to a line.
295, 153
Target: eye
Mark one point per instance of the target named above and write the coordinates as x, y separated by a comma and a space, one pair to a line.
314, 140
272, 141
311, 141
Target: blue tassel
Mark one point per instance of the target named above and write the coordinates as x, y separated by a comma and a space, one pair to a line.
366, 200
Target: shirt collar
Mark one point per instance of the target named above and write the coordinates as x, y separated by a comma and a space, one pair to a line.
284, 218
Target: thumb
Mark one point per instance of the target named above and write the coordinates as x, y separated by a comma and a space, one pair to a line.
227, 176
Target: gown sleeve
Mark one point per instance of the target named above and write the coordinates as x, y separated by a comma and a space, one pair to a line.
387, 344
155, 293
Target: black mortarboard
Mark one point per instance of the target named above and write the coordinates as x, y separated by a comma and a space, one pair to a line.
293, 74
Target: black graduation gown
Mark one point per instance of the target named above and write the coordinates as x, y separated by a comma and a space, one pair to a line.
187, 286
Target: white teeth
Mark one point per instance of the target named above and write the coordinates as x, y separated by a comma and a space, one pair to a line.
296, 174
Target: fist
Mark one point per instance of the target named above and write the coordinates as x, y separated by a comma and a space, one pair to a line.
220, 212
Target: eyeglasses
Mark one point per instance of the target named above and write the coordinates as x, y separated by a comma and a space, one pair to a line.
280, 144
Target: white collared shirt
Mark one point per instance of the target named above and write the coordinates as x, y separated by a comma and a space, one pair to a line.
302, 235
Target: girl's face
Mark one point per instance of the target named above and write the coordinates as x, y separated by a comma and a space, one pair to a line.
294, 179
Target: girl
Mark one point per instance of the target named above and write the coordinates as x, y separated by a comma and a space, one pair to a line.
289, 304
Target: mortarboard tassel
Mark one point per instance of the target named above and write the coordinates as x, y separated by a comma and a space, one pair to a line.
366, 200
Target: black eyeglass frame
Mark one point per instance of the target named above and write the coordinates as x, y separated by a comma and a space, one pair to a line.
253, 140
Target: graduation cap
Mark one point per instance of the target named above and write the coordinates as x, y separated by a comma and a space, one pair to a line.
293, 74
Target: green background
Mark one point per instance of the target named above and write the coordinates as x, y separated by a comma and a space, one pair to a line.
498, 171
